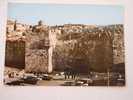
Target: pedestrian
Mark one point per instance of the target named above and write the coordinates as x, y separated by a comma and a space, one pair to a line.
66, 72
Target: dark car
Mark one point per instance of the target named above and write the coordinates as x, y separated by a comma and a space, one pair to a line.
30, 80
16, 82
69, 83
46, 77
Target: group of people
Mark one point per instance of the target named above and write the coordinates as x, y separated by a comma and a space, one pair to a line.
71, 73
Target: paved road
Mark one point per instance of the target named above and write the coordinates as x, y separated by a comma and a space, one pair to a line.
52, 82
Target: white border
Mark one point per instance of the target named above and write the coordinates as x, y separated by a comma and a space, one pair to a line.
69, 93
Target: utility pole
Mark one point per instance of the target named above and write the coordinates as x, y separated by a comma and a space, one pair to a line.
108, 83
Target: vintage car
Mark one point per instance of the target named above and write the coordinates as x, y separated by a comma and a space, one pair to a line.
29, 80
15, 82
83, 82
69, 83
45, 77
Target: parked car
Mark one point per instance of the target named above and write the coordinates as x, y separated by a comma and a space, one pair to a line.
84, 82
79, 83
16, 82
69, 83
30, 80
46, 77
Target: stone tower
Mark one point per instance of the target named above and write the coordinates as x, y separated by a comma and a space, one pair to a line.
37, 49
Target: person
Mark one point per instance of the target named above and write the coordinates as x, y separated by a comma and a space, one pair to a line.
66, 72
73, 73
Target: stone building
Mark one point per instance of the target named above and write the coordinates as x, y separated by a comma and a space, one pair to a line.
38, 50
10, 26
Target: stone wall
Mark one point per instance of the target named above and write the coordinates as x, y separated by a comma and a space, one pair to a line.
118, 45
36, 56
15, 53
118, 49
86, 50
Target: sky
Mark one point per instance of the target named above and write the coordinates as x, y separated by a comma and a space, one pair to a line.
58, 14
